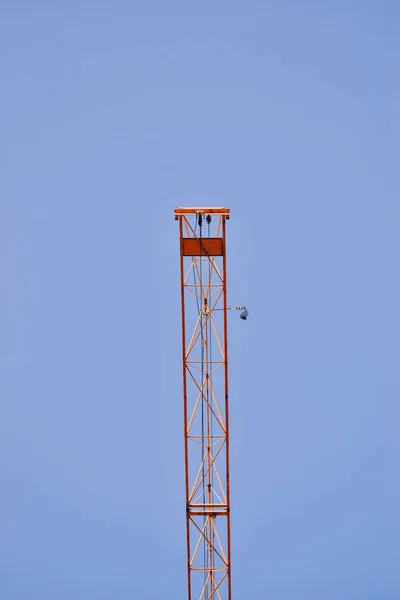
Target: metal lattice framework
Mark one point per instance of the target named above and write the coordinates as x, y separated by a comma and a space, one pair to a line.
205, 388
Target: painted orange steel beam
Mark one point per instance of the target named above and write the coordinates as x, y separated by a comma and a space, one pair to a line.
205, 400
220, 210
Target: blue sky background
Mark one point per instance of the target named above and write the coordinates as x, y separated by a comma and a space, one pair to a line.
113, 114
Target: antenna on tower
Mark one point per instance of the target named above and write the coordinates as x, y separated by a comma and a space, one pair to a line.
243, 315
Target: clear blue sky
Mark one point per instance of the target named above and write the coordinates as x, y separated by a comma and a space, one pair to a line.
112, 114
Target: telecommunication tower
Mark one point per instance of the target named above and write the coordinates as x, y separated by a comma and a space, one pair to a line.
205, 398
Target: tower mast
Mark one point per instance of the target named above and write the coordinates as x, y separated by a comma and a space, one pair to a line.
205, 398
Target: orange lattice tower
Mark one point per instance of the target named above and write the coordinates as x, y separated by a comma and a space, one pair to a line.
205, 397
